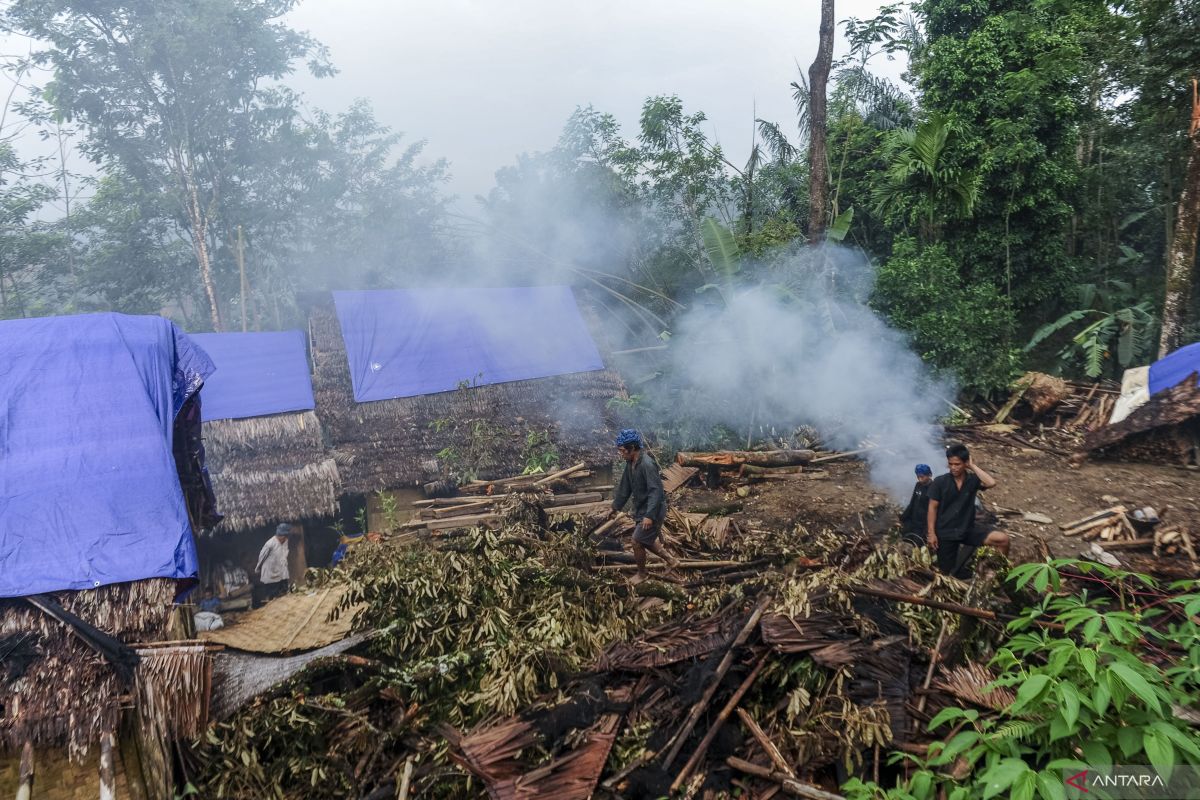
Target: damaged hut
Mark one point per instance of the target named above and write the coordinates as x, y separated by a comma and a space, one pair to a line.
1158, 415
95, 545
265, 448
441, 386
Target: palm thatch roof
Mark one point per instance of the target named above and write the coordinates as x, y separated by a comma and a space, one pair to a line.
55, 690
1167, 427
483, 430
270, 469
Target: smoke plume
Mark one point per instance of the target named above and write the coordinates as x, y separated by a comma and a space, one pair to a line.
806, 348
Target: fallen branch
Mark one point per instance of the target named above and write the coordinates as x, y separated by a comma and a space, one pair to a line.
693, 716
702, 748
765, 743
787, 784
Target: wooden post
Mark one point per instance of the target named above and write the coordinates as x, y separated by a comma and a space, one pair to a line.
241, 259
25, 788
108, 780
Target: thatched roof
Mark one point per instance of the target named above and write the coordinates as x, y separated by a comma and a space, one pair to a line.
395, 443
64, 694
1166, 425
270, 469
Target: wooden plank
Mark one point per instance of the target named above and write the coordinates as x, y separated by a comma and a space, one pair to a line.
676, 476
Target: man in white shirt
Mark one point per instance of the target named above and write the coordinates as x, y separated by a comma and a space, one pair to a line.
272, 567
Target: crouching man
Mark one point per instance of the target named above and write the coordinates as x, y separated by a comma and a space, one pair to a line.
642, 483
915, 517
951, 530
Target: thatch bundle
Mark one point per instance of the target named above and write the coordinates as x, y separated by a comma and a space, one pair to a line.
268, 469
69, 694
483, 430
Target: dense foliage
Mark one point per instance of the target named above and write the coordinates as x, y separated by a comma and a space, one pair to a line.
1017, 196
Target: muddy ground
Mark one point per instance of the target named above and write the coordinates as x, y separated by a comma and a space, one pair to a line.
1028, 480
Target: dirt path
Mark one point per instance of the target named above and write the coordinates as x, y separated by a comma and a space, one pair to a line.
1029, 480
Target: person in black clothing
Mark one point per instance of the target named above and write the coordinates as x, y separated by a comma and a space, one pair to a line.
642, 482
951, 531
913, 519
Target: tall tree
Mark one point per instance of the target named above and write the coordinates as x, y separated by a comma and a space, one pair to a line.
818, 170
169, 91
1181, 255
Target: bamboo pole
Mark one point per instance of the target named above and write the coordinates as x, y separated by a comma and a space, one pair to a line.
108, 780
562, 473
967, 611
765, 743
788, 784
405, 779
702, 748
25, 787
694, 715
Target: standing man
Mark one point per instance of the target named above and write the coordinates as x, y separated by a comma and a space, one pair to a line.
272, 567
642, 482
914, 518
951, 531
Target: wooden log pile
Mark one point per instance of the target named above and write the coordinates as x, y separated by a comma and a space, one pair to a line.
1118, 530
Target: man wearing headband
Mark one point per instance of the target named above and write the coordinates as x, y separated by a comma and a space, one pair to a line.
642, 483
913, 518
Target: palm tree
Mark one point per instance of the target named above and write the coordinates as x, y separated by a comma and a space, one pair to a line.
919, 168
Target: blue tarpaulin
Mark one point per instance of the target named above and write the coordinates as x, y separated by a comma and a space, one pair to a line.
403, 343
89, 492
1172, 369
257, 374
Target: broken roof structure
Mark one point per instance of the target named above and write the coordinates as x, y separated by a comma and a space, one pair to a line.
414, 384
1161, 421
265, 447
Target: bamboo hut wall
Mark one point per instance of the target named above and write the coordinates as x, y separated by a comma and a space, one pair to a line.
391, 444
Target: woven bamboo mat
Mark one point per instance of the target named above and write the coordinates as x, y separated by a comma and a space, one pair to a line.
294, 622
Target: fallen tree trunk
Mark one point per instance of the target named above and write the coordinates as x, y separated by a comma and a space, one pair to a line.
787, 784
736, 458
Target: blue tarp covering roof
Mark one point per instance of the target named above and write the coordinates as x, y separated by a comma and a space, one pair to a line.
1172, 369
257, 374
89, 492
404, 343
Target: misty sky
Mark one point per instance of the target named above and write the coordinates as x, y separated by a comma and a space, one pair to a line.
484, 81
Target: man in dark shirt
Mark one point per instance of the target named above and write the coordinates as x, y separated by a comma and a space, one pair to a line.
642, 482
951, 531
913, 518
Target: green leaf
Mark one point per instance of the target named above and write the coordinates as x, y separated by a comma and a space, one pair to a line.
1029, 690
999, 777
944, 716
1088, 659
1096, 753
1137, 684
1161, 752
1129, 740
1181, 739
1070, 702
1024, 785
1050, 787
841, 226
720, 246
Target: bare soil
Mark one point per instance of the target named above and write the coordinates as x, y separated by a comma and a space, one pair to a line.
1028, 480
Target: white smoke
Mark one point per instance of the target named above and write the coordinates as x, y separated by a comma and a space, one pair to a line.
807, 348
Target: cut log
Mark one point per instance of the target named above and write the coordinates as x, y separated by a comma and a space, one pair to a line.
735, 458
751, 469
1101, 518
788, 784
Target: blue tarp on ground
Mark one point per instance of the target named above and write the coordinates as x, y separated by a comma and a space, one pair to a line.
89, 492
1172, 369
404, 343
257, 374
